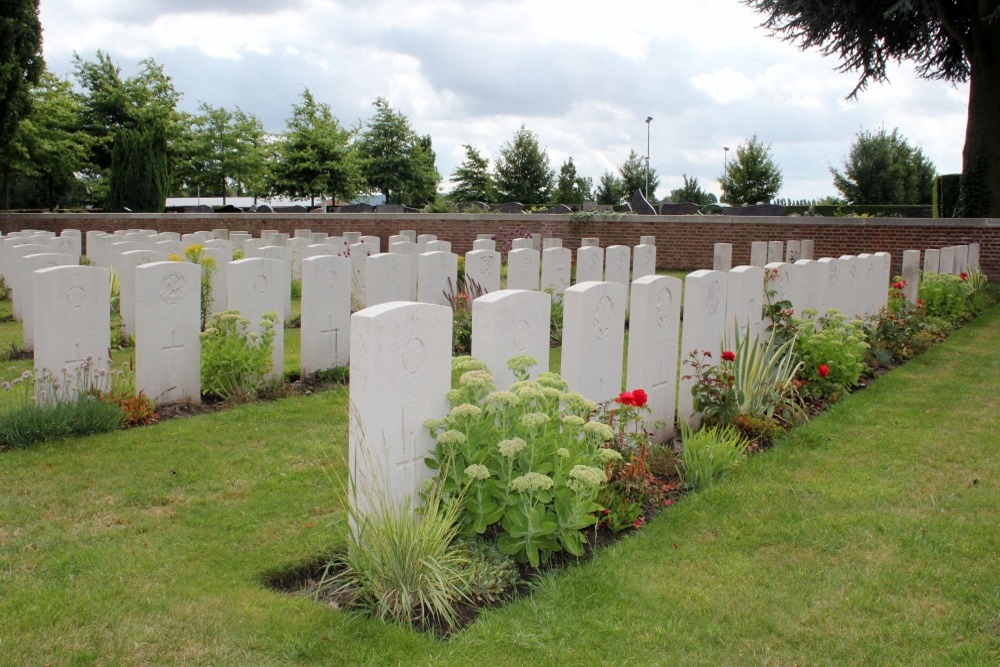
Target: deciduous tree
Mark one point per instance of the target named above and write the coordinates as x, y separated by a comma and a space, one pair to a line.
691, 192
21, 66
882, 168
571, 188
950, 40
395, 161
753, 176
522, 171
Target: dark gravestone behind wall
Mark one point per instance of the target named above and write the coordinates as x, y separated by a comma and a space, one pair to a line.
679, 209
357, 208
640, 205
509, 207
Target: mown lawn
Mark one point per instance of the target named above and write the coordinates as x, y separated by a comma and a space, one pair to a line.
868, 536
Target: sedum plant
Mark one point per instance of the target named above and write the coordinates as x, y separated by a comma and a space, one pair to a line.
234, 360
833, 351
525, 462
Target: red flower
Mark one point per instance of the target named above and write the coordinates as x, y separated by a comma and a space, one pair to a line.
668, 502
639, 398
729, 355
798, 384
824, 370
897, 286
626, 398
964, 276
638, 522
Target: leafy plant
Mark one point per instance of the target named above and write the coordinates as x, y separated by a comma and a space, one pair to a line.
523, 463
832, 349
234, 360
296, 288
195, 253
894, 333
707, 455
946, 296
764, 375
556, 319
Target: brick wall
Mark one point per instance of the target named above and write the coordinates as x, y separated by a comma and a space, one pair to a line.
683, 242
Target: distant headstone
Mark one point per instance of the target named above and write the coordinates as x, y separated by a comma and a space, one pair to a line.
590, 264
357, 208
723, 257
758, 253
389, 208
793, 251
257, 286
679, 209
509, 207
326, 313
590, 241
264, 208
556, 269
484, 244
522, 268
282, 254
911, 274
229, 208
29, 264
483, 267
775, 251
640, 205
437, 275
807, 251
387, 278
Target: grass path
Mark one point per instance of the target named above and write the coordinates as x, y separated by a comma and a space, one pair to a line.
863, 538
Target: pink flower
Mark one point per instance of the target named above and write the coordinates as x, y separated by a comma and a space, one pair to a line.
729, 355
824, 370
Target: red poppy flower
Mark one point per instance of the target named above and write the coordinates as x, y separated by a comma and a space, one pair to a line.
964, 275
639, 398
729, 355
824, 370
897, 286
625, 398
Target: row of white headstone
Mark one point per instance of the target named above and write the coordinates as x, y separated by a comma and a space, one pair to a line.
763, 253
400, 352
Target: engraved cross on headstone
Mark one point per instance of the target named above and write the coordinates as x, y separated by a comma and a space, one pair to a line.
334, 332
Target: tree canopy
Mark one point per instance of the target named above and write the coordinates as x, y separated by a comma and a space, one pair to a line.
571, 188
882, 168
522, 171
752, 176
633, 176
395, 161
315, 156
944, 39
691, 192
472, 179
21, 66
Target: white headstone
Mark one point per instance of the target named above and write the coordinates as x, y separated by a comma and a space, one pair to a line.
793, 251
647, 240
654, 329
551, 243
911, 274
557, 265
126, 265
284, 255
589, 264
807, 251
723, 257
298, 245
400, 377
932, 260
775, 251
828, 293
326, 313
484, 244
387, 278
509, 323
705, 300
76, 321
410, 234
483, 267
974, 256
758, 253
437, 276
259, 285
883, 277
744, 300
616, 265
961, 259
374, 244
30, 264
643, 261
438, 246
947, 262
804, 279
589, 241
408, 248
167, 326
522, 268
593, 339
422, 242
15, 269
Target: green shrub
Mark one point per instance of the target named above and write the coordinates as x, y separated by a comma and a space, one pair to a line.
296, 288
945, 296
832, 349
234, 361
894, 333
556, 319
707, 455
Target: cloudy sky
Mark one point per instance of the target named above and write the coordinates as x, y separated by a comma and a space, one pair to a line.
582, 74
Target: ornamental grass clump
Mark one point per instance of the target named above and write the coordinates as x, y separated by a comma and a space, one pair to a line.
405, 566
58, 407
522, 463
234, 360
708, 454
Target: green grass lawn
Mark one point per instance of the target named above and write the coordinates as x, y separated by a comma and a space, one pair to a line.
867, 536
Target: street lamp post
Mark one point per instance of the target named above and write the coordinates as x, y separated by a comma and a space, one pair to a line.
725, 165
649, 119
